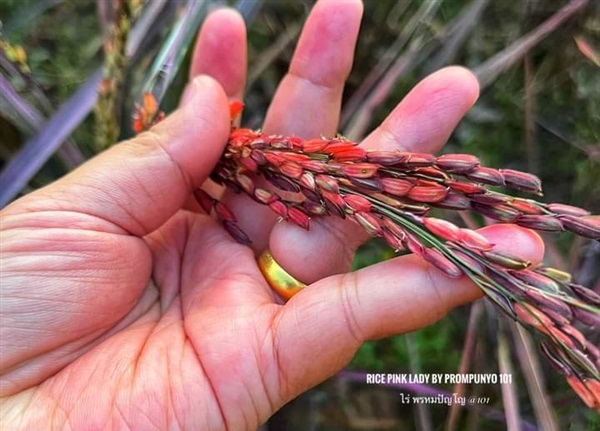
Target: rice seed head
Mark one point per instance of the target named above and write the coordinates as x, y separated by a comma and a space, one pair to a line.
383, 157
530, 315
454, 201
555, 274
588, 318
428, 193
315, 166
550, 353
540, 222
279, 208
224, 213
235, 109
415, 246
457, 163
258, 156
593, 352
238, 234
522, 181
327, 183
416, 160
441, 262
388, 193
502, 213
314, 208
486, 175
249, 163
355, 154
474, 240
581, 388
488, 198
547, 303
442, 228
468, 261
314, 145
360, 170
562, 338
506, 260
576, 334
245, 182
525, 207
282, 182
299, 217
307, 179
567, 210
358, 203
431, 173
393, 241
334, 203
537, 280
581, 226
369, 222
291, 169
204, 199
274, 159
295, 157
372, 184
557, 318
396, 186
465, 188
264, 196
586, 294
394, 229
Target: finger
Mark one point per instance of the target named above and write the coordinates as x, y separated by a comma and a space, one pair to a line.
422, 122
307, 102
136, 186
332, 318
221, 52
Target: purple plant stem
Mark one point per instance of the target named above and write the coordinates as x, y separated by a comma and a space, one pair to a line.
38, 149
29, 119
432, 391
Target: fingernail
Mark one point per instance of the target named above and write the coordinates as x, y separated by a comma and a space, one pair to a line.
193, 89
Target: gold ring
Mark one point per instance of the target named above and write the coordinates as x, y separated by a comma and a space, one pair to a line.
280, 281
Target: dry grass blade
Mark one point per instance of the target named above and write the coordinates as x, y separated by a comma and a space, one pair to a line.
535, 384
268, 56
509, 393
465, 362
495, 66
417, 23
457, 34
424, 422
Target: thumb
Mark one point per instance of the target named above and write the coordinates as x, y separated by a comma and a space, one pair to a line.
139, 184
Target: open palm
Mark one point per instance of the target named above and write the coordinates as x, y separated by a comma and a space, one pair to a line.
122, 310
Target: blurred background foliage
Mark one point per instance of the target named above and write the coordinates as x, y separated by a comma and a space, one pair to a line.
539, 111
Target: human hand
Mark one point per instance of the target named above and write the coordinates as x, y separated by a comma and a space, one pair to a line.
121, 310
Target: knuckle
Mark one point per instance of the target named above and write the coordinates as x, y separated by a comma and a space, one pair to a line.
348, 292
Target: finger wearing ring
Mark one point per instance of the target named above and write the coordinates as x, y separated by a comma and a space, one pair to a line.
280, 281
